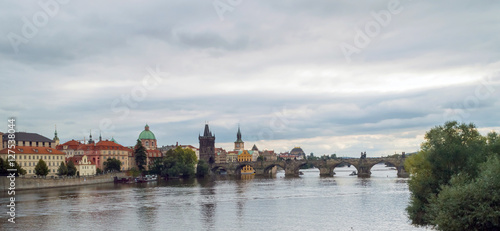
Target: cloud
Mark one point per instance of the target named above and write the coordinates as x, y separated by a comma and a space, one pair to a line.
275, 68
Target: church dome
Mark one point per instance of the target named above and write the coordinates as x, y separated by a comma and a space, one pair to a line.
147, 134
297, 151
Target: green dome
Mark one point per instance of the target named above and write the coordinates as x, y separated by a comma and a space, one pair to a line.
147, 134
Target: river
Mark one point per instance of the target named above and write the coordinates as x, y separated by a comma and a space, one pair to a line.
309, 202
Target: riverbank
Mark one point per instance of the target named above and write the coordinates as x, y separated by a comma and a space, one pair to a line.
25, 183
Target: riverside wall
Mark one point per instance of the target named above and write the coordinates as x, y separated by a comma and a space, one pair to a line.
29, 183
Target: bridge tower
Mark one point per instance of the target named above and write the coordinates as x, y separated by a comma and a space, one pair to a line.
207, 146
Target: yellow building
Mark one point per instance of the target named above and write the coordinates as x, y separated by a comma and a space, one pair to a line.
247, 169
244, 156
27, 157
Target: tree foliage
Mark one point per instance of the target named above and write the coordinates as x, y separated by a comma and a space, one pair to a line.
62, 170
202, 169
134, 172
5, 165
447, 170
41, 168
71, 168
470, 205
141, 155
112, 165
178, 162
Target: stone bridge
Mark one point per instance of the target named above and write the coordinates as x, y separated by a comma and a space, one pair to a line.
292, 167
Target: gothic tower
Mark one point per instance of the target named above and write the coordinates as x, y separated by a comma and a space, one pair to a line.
239, 145
207, 146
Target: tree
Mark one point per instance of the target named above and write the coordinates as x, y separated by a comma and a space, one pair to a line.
260, 158
5, 165
112, 165
449, 159
177, 162
20, 170
62, 170
141, 155
470, 205
134, 172
202, 169
41, 168
98, 171
71, 168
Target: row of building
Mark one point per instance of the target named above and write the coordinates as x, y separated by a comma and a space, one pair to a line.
88, 155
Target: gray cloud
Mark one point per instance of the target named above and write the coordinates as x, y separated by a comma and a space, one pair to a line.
273, 67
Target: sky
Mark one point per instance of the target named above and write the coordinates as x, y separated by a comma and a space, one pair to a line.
338, 77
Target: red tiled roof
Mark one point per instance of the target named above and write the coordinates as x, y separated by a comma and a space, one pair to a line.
72, 145
77, 159
32, 150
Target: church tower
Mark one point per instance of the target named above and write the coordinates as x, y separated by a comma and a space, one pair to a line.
239, 145
56, 139
207, 146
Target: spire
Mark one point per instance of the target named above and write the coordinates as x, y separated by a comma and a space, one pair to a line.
146, 127
207, 131
55, 133
238, 135
100, 137
90, 137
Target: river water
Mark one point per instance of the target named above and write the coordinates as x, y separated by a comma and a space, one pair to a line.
309, 202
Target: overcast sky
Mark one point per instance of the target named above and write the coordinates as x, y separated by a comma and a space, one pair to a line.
329, 76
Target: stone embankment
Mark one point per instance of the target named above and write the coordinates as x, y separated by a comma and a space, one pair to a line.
26, 183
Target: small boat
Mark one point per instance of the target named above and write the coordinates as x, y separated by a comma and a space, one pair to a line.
146, 178
301, 173
353, 173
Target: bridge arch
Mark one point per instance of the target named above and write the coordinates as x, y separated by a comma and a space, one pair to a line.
395, 162
240, 165
344, 162
270, 166
216, 168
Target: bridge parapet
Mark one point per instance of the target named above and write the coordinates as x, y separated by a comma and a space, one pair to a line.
292, 167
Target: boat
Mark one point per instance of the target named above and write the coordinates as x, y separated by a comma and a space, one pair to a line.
353, 173
123, 180
146, 178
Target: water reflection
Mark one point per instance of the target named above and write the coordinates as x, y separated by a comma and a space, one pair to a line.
208, 202
308, 202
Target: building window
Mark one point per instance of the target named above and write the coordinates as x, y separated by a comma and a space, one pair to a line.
30, 170
147, 143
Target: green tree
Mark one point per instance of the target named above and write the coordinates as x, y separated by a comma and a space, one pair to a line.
98, 171
5, 165
112, 165
62, 170
41, 168
71, 168
141, 155
134, 172
470, 205
177, 162
202, 169
452, 151
260, 158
